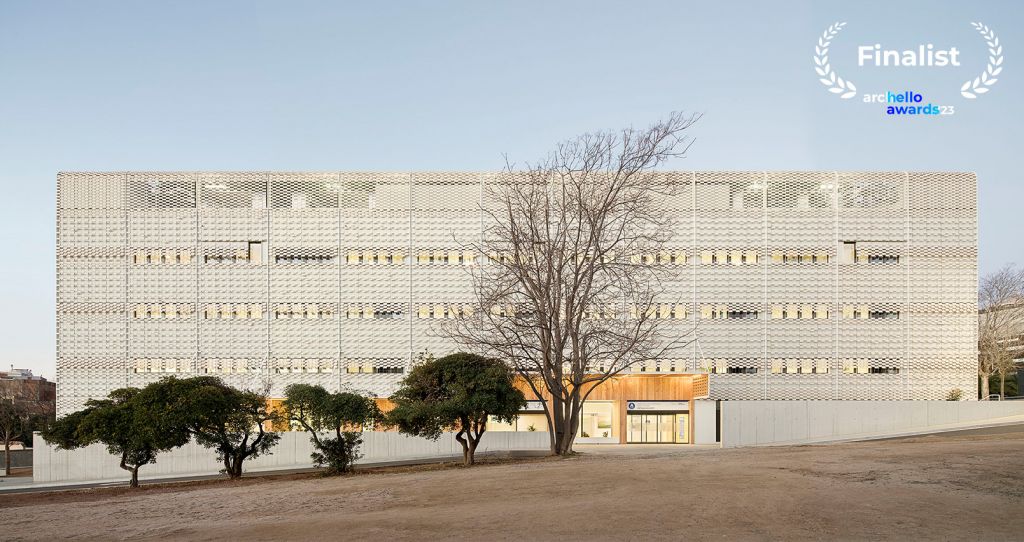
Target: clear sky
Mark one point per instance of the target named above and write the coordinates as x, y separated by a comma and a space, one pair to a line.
248, 85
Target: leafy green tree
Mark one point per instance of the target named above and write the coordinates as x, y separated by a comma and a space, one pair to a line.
456, 391
218, 416
319, 411
122, 423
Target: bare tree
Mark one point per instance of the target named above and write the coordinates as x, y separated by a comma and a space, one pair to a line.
1000, 321
20, 409
576, 261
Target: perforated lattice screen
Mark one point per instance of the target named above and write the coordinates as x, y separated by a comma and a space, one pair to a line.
821, 285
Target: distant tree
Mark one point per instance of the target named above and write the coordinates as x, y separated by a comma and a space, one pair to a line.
1000, 324
122, 423
456, 391
218, 416
343, 414
20, 412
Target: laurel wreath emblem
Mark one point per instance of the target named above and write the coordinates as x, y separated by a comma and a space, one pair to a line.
829, 78
981, 84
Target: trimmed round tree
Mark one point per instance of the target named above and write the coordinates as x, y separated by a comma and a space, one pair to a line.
123, 422
343, 414
218, 416
456, 392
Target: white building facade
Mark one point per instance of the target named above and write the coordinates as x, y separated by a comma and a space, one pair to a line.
799, 285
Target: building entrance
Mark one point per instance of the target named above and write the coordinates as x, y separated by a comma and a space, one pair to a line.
658, 428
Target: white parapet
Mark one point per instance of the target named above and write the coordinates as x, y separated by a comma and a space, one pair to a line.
767, 423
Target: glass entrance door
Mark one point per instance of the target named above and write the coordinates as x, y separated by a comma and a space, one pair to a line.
666, 428
635, 423
657, 428
683, 428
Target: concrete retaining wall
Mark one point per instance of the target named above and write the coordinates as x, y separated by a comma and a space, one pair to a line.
759, 423
704, 414
93, 463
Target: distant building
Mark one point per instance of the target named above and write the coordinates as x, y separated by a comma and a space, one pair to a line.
22, 383
1013, 338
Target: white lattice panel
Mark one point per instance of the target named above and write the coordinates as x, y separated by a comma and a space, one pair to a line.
337, 278
91, 228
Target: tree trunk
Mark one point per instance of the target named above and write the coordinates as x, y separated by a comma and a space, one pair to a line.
235, 472
466, 457
559, 427
1002, 385
568, 439
7, 456
984, 387
133, 469
566, 421
471, 455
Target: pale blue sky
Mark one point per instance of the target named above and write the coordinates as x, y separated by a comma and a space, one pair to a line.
233, 85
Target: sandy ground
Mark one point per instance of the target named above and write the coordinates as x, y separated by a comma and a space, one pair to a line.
925, 488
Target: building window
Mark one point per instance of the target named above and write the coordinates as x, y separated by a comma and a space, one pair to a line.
162, 365
256, 252
302, 311
445, 311
883, 259
164, 257
300, 257
435, 257
155, 311
847, 252
503, 310
723, 312
230, 366
664, 311
375, 257
871, 366
804, 256
253, 253
232, 311
374, 366
729, 257
375, 312
799, 312
303, 365
864, 312
596, 420
741, 370
800, 366
884, 370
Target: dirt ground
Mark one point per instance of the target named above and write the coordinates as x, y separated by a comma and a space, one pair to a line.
925, 488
